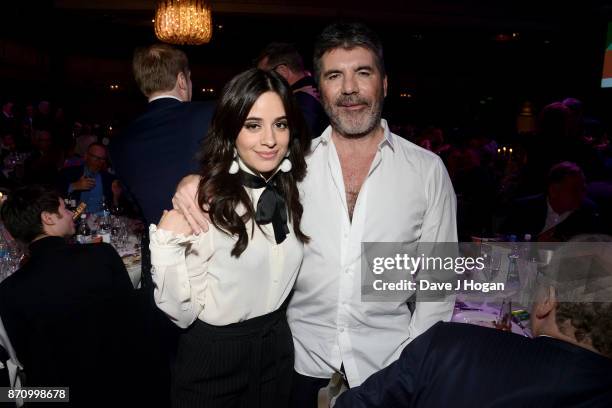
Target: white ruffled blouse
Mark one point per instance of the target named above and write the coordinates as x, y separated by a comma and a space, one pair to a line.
196, 277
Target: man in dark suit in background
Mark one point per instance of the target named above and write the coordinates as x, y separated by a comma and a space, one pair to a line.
600, 192
158, 148
8, 123
150, 157
285, 60
69, 312
559, 214
568, 363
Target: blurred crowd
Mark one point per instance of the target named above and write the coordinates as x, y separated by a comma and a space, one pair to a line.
491, 178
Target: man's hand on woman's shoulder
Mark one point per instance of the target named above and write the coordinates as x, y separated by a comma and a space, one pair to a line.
186, 200
174, 221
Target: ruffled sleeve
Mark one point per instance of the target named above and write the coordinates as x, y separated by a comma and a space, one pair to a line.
179, 272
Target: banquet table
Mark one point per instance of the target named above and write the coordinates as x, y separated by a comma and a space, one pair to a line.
485, 314
131, 257
125, 237
484, 309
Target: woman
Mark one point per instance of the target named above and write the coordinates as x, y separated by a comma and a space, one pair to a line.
229, 287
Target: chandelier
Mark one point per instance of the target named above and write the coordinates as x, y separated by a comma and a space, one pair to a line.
183, 22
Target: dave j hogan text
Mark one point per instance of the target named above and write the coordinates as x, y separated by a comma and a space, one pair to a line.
426, 285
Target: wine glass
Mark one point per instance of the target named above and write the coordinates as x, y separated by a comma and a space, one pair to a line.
14, 258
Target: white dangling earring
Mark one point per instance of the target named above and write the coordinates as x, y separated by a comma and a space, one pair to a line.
234, 167
286, 165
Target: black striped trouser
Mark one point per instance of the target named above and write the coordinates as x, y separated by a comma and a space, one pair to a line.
245, 364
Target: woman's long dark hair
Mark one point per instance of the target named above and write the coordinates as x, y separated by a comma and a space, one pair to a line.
220, 192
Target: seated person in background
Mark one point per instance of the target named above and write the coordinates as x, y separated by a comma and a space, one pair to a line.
600, 192
90, 182
8, 176
68, 311
562, 212
84, 139
46, 159
71, 158
567, 364
8, 145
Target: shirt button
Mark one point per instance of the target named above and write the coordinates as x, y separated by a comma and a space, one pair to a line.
184, 307
341, 329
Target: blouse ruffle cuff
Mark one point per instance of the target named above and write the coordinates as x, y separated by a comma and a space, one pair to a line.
159, 236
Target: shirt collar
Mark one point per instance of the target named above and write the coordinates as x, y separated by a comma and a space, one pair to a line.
164, 96
326, 137
549, 208
387, 134
552, 210
87, 172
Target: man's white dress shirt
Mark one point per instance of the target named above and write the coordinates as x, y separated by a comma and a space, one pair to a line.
407, 197
196, 277
164, 96
552, 218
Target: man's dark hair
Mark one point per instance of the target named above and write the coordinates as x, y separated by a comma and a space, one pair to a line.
282, 53
562, 170
157, 66
347, 36
22, 209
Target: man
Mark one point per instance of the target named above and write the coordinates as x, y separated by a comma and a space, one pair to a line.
364, 184
84, 137
8, 123
600, 192
90, 182
27, 125
43, 164
287, 62
42, 117
150, 157
568, 363
562, 212
8, 147
158, 148
68, 311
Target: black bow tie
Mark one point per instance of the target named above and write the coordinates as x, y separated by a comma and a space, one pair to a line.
271, 207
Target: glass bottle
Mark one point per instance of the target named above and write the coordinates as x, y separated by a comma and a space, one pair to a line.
83, 232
